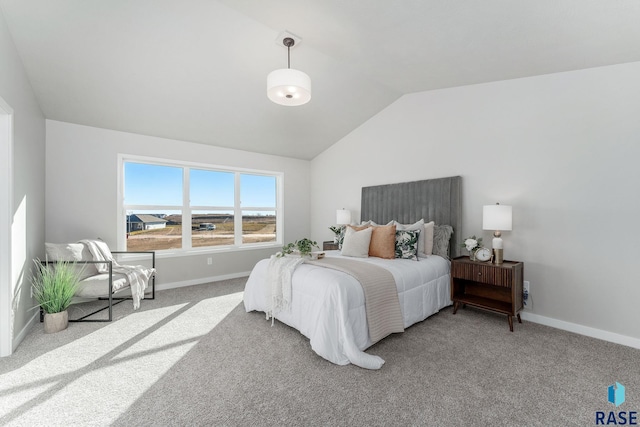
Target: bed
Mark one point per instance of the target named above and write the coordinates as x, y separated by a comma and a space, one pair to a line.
327, 306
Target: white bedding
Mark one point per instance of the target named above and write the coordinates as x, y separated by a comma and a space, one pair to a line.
327, 306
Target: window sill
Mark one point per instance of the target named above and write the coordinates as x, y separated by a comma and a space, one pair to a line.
168, 253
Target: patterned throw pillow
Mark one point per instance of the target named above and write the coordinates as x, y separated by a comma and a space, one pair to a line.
407, 244
416, 226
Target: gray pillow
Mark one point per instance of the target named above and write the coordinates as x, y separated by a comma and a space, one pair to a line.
441, 236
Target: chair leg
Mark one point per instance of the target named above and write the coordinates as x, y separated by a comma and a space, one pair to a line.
110, 307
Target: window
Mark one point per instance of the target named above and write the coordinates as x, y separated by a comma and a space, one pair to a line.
258, 195
169, 206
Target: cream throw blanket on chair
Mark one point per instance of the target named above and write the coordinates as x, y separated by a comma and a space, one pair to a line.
137, 276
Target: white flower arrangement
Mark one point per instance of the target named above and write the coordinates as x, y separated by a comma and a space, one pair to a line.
472, 243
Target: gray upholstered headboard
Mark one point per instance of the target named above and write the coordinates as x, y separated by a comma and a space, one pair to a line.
438, 200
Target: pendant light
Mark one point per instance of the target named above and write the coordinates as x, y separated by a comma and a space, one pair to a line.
287, 86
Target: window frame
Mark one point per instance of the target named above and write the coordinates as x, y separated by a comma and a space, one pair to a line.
187, 210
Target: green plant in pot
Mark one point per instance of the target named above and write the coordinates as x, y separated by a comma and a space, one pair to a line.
54, 285
303, 246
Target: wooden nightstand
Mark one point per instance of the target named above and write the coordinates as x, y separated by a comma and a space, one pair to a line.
489, 286
329, 245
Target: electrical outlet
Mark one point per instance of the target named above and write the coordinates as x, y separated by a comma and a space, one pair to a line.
209, 261
525, 292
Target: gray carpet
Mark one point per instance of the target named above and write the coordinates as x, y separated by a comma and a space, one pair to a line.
194, 357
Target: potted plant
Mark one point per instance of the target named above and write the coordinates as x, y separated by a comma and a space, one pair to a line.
54, 285
302, 246
338, 230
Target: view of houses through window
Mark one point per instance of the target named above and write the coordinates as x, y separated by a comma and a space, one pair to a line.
221, 208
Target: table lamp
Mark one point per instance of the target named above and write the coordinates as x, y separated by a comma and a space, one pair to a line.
343, 217
497, 218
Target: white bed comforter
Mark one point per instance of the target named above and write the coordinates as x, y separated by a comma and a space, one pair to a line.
327, 306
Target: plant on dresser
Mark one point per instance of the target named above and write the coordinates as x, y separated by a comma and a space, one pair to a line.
303, 246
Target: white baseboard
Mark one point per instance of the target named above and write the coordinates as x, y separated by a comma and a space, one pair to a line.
201, 281
582, 330
23, 333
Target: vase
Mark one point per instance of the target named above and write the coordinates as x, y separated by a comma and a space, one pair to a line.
56, 322
472, 255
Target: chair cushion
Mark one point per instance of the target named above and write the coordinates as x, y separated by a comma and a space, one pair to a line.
98, 285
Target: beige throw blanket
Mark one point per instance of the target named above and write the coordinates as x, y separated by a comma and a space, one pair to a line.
279, 283
382, 305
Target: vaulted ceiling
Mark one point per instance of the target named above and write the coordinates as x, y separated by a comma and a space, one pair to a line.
195, 70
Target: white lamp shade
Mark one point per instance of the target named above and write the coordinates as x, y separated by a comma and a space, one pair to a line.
496, 217
343, 216
287, 86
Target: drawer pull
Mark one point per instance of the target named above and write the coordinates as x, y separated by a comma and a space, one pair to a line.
479, 273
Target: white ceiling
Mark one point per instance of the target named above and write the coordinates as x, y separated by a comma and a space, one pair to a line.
195, 70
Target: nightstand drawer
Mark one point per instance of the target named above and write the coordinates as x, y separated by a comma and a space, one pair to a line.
482, 273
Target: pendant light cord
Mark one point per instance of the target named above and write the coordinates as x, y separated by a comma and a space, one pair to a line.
288, 42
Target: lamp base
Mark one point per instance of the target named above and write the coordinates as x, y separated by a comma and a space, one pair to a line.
498, 256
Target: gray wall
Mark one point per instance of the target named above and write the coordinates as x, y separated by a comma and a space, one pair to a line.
28, 179
81, 195
562, 149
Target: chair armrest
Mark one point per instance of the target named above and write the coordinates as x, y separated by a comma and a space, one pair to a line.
43, 262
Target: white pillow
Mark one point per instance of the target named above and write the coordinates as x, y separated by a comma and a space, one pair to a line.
64, 251
373, 224
356, 243
428, 239
72, 252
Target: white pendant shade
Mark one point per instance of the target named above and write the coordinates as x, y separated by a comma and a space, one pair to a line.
288, 87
